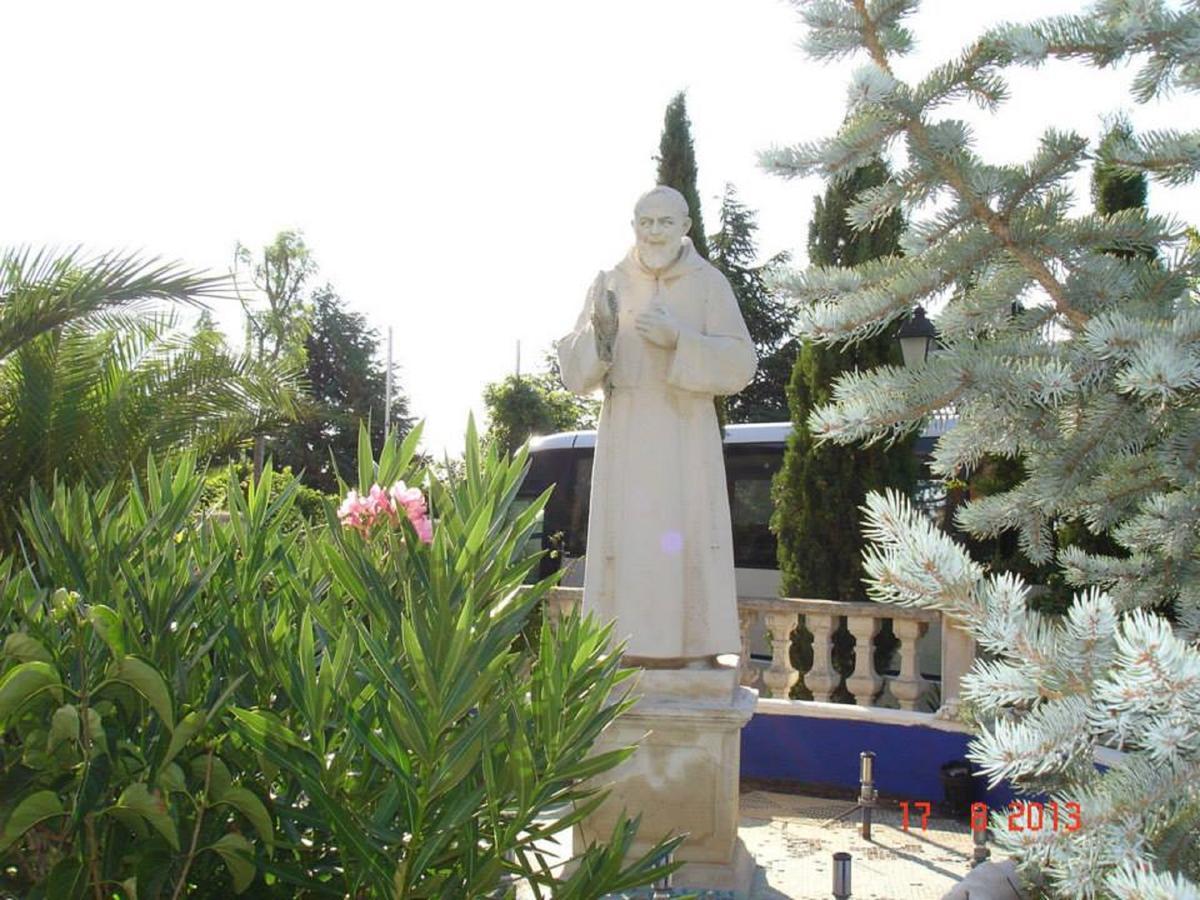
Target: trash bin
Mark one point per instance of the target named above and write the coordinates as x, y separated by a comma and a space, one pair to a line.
958, 785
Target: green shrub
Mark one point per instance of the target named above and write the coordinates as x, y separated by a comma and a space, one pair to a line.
194, 706
308, 506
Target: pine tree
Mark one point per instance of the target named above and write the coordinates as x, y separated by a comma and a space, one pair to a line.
1115, 188
767, 315
677, 165
820, 488
1092, 381
347, 384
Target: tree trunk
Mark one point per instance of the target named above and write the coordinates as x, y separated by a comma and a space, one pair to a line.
260, 448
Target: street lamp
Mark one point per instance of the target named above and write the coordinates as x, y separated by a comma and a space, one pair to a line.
917, 336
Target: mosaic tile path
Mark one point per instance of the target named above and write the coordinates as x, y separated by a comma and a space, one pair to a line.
793, 839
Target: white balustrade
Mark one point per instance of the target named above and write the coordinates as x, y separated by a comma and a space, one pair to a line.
908, 686
864, 684
781, 674
822, 679
823, 619
750, 672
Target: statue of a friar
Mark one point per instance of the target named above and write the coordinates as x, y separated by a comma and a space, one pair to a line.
662, 335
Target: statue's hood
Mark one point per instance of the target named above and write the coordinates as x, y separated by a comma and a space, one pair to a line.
689, 261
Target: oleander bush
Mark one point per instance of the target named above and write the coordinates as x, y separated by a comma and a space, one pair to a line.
199, 705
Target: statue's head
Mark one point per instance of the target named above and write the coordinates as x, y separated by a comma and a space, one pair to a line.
660, 220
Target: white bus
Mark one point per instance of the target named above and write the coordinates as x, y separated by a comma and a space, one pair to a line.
753, 454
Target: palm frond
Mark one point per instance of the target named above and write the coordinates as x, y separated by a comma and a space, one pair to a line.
44, 289
88, 400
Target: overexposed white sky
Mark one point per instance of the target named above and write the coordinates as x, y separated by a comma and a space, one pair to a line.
460, 170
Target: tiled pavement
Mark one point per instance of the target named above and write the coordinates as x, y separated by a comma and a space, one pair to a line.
793, 838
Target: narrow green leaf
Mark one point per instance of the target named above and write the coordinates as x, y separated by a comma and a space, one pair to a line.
171, 779
107, 624
67, 880
215, 772
23, 648
22, 682
307, 659
264, 724
64, 726
366, 460
187, 729
238, 855
152, 807
35, 808
247, 803
146, 680
479, 529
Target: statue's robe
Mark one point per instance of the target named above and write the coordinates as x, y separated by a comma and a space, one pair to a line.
659, 545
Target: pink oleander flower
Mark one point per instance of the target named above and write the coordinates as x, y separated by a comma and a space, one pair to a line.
424, 526
380, 505
409, 498
354, 511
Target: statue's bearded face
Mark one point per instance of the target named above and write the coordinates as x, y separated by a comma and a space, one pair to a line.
659, 225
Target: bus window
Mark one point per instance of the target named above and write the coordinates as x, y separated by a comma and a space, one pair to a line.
578, 504
534, 543
748, 474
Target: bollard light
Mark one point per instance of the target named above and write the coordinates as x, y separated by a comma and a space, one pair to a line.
841, 876
867, 793
980, 852
661, 889
866, 767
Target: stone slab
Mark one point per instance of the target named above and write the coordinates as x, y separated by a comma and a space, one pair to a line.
683, 777
688, 685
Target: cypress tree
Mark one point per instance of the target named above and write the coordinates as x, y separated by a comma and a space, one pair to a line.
820, 488
677, 165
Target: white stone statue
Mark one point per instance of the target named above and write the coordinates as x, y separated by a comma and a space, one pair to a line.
662, 335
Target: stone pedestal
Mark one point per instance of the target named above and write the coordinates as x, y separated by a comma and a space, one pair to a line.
684, 775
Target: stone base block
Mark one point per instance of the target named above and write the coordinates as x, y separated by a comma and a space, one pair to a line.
689, 685
684, 776
736, 876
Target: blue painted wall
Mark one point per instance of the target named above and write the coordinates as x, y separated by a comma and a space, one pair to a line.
908, 758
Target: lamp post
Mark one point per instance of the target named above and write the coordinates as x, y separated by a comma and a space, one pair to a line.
917, 337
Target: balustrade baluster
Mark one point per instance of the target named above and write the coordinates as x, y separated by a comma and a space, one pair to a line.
908, 685
747, 619
780, 675
864, 683
958, 655
821, 679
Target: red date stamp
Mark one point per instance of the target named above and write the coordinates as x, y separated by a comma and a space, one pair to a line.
1023, 815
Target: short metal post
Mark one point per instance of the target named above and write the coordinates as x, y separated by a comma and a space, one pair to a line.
981, 851
841, 876
867, 794
661, 889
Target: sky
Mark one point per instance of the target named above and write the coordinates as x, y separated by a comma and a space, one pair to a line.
461, 169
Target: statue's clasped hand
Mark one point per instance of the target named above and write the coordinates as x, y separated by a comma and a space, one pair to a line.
659, 327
